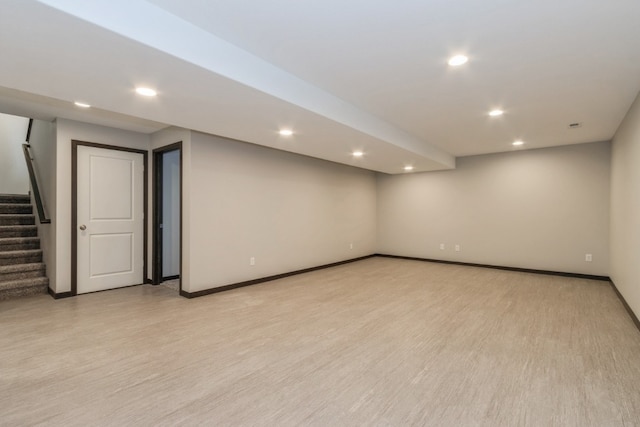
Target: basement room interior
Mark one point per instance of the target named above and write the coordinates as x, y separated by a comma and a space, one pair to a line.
320, 213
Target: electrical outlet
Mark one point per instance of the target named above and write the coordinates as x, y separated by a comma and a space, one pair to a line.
252, 261
457, 248
588, 257
442, 246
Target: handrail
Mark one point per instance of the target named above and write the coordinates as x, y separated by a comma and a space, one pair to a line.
34, 184
29, 130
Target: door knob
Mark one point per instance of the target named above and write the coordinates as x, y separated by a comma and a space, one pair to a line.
83, 227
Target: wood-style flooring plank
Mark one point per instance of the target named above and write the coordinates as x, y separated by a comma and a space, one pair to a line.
377, 342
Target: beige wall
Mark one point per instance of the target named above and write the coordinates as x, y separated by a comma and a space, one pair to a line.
541, 209
625, 208
288, 211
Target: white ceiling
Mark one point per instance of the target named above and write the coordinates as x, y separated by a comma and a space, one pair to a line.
367, 75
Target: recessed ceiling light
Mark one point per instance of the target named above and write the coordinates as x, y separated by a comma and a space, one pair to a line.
146, 91
408, 168
81, 104
496, 113
357, 154
517, 143
456, 61
286, 132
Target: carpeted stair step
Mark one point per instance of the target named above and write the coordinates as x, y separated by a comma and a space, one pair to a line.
18, 231
16, 219
14, 208
21, 271
15, 198
23, 287
20, 257
19, 243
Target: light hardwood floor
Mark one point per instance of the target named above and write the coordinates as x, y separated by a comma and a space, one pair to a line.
376, 342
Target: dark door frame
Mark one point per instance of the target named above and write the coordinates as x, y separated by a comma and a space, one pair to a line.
74, 207
157, 211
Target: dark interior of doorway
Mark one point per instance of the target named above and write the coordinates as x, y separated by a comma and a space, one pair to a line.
167, 202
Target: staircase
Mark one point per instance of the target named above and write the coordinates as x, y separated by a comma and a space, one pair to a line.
22, 271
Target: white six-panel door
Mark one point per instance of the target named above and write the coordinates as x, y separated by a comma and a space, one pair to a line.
110, 219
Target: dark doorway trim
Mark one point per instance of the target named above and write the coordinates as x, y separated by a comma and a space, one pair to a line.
157, 276
74, 206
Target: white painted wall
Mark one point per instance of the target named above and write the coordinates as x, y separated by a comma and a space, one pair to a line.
288, 211
14, 177
625, 208
171, 213
541, 209
66, 131
43, 150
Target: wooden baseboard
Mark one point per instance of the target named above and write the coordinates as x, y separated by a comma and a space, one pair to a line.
307, 270
59, 295
498, 267
626, 306
266, 279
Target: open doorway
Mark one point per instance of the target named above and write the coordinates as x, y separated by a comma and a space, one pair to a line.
167, 218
